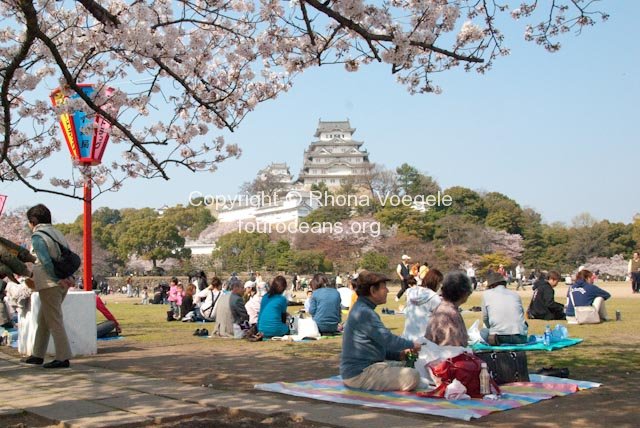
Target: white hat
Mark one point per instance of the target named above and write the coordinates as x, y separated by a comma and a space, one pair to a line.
581, 268
405, 257
249, 284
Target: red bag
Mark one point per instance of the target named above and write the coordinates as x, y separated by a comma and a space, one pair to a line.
464, 367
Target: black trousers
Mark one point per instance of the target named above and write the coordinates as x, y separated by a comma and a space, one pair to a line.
635, 282
403, 287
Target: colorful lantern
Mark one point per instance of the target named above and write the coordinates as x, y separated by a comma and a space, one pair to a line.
85, 138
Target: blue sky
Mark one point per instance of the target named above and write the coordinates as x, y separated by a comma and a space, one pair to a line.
556, 132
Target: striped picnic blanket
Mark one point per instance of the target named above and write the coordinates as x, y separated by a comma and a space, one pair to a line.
513, 395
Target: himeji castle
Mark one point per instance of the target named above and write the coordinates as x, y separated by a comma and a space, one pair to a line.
334, 157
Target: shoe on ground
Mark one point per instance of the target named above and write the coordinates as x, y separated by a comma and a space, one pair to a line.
57, 364
197, 332
397, 299
33, 360
553, 371
204, 332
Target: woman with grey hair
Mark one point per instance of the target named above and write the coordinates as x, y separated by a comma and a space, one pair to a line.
447, 326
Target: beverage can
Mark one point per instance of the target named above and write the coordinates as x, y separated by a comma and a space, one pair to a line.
618, 315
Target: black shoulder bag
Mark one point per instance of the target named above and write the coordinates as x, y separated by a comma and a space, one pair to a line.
67, 264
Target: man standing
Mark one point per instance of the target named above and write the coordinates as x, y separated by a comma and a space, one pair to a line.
403, 272
634, 272
46, 241
519, 277
543, 305
471, 273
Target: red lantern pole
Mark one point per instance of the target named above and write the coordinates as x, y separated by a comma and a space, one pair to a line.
86, 149
86, 245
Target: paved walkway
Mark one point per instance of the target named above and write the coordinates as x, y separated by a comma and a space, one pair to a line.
85, 396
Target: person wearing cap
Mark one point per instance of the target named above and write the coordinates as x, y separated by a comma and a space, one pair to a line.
371, 354
502, 313
404, 273
230, 310
249, 286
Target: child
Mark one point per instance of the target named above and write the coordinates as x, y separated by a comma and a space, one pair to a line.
173, 297
179, 295
145, 295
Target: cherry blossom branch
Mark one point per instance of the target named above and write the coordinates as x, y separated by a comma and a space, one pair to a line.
369, 36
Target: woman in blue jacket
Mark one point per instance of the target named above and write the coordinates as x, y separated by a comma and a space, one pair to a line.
585, 293
272, 319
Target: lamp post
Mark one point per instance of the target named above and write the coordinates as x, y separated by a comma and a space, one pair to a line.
86, 139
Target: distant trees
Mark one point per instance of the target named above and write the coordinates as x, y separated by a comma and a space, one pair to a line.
374, 261
119, 235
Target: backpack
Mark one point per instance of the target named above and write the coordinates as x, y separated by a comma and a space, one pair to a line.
67, 264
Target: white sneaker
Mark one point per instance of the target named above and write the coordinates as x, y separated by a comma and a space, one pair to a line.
397, 300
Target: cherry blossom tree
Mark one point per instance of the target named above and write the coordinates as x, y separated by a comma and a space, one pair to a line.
199, 66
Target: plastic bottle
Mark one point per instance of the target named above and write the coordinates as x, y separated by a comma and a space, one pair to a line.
485, 380
547, 336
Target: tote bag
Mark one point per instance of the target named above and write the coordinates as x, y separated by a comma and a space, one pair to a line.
585, 314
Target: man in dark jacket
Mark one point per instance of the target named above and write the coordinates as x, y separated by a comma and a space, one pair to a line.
543, 306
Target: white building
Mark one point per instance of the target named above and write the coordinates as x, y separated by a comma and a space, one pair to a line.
335, 157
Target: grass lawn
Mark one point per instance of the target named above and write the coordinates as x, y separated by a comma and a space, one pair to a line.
606, 345
156, 348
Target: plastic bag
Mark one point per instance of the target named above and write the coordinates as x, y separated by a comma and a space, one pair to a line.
474, 334
456, 391
432, 352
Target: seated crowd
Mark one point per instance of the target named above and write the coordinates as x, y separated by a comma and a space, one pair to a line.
372, 356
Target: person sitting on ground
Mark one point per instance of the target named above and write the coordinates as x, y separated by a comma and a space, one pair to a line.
230, 310
367, 344
307, 301
422, 301
210, 295
111, 325
353, 284
446, 326
187, 307
272, 320
543, 305
502, 313
249, 286
586, 293
253, 305
346, 293
324, 306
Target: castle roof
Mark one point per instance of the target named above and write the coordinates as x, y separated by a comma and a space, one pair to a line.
343, 126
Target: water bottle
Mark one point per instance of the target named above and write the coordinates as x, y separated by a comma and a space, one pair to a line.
485, 380
547, 336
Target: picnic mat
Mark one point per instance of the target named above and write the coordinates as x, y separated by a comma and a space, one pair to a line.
513, 395
536, 346
106, 338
